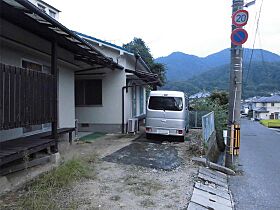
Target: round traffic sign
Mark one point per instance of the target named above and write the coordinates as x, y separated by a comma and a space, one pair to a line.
240, 18
239, 36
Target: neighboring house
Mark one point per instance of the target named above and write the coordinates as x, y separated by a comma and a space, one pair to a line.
118, 95
266, 107
39, 58
202, 94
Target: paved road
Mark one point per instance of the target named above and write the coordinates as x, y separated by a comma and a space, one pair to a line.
259, 186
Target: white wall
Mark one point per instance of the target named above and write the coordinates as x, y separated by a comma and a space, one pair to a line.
110, 111
66, 104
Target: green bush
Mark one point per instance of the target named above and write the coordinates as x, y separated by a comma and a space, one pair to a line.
220, 113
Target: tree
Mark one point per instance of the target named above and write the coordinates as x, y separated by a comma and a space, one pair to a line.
138, 46
219, 97
221, 116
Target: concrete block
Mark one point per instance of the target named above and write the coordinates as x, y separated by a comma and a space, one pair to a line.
212, 197
55, 158
214, 166
210, 202
195, 206
213, 180
5, 185
221, 168
222, 192
213, 174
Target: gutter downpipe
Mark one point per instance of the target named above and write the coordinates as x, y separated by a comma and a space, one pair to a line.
125, 88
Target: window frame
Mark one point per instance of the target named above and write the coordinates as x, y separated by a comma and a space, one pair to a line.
100, 104
31, 61
41, 7
53, 12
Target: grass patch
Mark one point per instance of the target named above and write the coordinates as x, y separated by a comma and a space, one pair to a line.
271, 123
43, 192
91, 137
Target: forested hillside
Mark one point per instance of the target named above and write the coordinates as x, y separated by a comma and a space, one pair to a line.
262, 79
181, 66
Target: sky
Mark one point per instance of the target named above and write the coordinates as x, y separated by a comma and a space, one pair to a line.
197, 27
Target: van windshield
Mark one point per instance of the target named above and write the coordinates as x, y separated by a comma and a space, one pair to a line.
166, 103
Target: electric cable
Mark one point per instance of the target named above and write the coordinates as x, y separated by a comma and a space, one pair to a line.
256, 32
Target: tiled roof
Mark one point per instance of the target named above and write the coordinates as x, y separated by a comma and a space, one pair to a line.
271, 99
104, 42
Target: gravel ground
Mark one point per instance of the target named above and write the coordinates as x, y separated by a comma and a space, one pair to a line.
120, 186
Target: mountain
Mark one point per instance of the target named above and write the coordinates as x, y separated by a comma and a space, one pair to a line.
262, 79
181, 66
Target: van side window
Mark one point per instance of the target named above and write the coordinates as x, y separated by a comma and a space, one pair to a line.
166, 103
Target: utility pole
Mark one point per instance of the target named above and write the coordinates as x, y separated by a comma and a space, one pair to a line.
233, 140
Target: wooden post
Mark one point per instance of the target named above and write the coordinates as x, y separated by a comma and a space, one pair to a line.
55, 100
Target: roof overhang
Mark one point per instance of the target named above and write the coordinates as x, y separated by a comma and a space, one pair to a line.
135, 57
26, 15
146, 76
261, 110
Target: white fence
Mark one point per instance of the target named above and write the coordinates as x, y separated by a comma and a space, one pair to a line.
208, 126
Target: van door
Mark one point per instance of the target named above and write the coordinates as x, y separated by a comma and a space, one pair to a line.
166, 111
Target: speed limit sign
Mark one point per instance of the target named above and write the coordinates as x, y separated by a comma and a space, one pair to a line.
240, 18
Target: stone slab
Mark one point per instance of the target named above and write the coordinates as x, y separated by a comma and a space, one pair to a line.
217, 174
222, 192
5, 185
195, 206
55, 158
212, 197
211, 202
212, 180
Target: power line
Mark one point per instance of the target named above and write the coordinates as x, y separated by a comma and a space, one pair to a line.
252, 53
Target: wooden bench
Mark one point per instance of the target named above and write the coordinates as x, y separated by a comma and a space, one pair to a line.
16, 150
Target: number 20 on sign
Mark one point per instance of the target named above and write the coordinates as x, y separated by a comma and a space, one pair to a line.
240, 18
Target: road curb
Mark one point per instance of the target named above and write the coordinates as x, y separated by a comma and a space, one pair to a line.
211, 191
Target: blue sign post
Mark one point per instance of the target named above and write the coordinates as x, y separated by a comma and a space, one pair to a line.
239, 36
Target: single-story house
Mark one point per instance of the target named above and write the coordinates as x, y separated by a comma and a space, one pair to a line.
39, 58
266, 107
106, 100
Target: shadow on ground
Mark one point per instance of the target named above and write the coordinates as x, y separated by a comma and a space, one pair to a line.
152, 153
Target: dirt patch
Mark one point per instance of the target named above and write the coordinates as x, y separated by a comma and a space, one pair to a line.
121, 186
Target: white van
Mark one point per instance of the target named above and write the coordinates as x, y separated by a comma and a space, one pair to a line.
167, 114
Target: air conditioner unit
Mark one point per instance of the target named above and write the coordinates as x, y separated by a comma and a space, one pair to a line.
132, 125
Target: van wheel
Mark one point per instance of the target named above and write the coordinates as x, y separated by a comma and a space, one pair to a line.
148, 136
181, 138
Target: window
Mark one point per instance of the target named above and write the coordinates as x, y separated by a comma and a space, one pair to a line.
42, 7
141, 101
31, 65
272, 104
134, 101
88, 92
166, 103
52, 13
